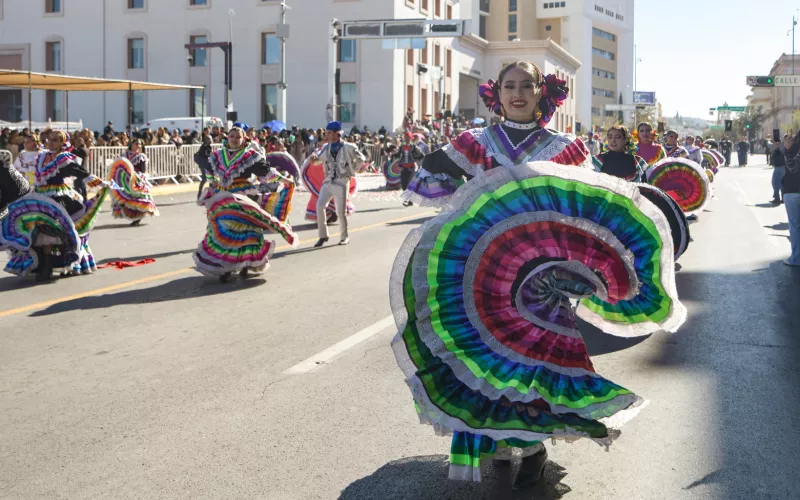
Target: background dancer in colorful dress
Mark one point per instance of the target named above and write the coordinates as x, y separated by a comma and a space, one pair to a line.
408, 154
619, 160
529, 100
671, 146
340, 160
234, 241
49, 228
132, 201
646, 146
13, 183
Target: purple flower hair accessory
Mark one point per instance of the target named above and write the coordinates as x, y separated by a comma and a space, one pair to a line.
490, 93
554, 93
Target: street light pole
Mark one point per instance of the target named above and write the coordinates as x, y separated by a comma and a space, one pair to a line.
282, 84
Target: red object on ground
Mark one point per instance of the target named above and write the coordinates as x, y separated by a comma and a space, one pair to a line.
122, 264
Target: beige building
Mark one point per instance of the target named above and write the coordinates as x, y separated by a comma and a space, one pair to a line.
776, 102
598, 33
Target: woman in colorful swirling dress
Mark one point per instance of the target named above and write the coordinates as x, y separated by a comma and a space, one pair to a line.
49, 228
646, 147
132, 201
619, 160
488, 340
234, 241
530, 101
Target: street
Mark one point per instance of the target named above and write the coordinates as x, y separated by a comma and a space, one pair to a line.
157, 382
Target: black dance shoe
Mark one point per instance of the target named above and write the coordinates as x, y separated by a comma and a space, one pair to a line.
530, 470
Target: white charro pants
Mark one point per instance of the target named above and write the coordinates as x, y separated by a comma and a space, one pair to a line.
338, 191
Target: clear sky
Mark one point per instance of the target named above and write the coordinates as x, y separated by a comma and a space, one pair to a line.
695, 54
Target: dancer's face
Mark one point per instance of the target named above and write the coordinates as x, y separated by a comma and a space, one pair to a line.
672, 140
29, 144
616, 141
519, 95
135, 147
235, 139
54, 142
645, 134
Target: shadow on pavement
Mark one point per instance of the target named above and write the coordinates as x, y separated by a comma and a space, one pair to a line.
743, 331
425, 478
155, 256
598, 342
117, 226
186, 288
781, 226
11, 282
764, 205
418, 221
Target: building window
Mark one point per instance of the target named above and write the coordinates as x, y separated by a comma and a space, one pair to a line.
548, 28
410, 57
596, 112
347, 98
423, 5
198, 2
512, 23
347, 51
135, 53
197, 103
482, 27
424, 54
603, 74
611, 113
603, 53
449, 11
512, 5
484, 6
55, 109
437, 55
199, 56
270, 49
11, 105
598, 9
437, 8
136, 4
410, 97
52, 56
555, 5
52, 6
448, 62
620, 17
269, 103
602, 92
136, 106
604, 34
423, 97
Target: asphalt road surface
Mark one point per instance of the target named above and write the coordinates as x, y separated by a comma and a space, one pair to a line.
156, 382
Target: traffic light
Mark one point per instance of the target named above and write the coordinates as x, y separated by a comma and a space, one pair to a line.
764, 81
728, 125
747, 126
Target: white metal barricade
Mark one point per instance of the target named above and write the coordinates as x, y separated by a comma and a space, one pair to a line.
166, 162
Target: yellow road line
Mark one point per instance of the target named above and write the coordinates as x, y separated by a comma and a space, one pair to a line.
157, 277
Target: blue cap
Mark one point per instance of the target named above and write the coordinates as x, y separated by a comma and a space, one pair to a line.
242, 126
334, 126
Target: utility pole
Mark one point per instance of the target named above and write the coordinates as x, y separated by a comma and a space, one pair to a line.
332, 45
283, 33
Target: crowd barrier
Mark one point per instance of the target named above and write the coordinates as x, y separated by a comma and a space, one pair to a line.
167, 162
375, 155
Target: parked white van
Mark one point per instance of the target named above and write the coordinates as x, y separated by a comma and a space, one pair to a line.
191, 123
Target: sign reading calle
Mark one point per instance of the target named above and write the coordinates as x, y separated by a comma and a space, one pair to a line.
787, 80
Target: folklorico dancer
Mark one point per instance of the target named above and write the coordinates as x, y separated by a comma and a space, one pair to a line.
132, 200
13, 184
408, 154
646, 146
619, 160
693, 151
671, 146
49, 228
340, 160
234, 241
312, 174
519, 139
488, 339
26, 161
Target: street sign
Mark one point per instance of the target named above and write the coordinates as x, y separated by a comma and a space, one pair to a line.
647, 98
787, 80
402, 28
737, 109
760, 81
620, 107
